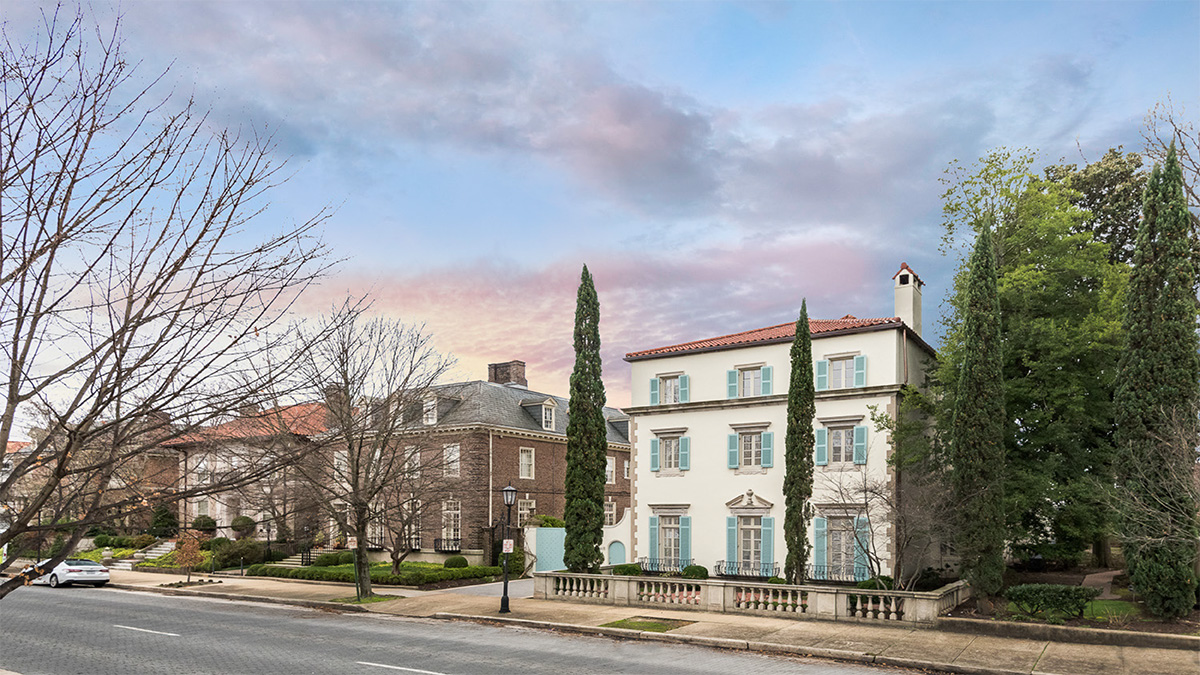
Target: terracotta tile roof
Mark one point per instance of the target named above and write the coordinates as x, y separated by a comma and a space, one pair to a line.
304, 419
778, 333
904, 266
16, 446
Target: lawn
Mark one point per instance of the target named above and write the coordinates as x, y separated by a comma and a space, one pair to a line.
647, 623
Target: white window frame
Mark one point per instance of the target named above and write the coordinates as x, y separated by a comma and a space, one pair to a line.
452, 457
548, 417
429, 412
610, 513
668, 453
845, 365
412, 461
610, 470
626, 469
526, 508
452, 519
526, 470
754, 373
840, 545
749, 541
669, 543
846, 435
202, 507
668, 389
750, 449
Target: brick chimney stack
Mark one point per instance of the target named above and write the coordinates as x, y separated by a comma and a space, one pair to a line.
509, 374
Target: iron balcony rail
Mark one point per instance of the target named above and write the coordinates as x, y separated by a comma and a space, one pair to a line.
447, 545
734, 568
413, 542
661, 565
846, 574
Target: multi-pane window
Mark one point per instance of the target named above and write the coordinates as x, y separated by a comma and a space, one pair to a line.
668, 389
626, 469
412, 461
451, 519
525, 468
451, 459
841, 445
547, 417
751, 448
610, 470
525, 510
841, 546
341, 463
202, 507
669, 452
841, 373
610, 513
750, 382
668, 537
429, 411
750, 540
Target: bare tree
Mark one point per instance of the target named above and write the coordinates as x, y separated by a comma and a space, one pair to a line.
136, 301
375, 375
1166, 125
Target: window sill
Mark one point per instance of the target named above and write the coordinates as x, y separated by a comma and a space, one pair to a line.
750, 471
669, 473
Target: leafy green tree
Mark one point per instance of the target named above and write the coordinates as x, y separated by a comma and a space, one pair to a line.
587, 439
977, 426
164, 523
1156, 400
1110, 190
798, 475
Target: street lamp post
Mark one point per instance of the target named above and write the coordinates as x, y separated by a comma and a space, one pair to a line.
510, 496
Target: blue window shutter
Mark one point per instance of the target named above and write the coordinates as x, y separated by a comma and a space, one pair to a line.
685, 540
654, 391
822, 451
822, 375
767, 372
684, 385
768, 546
685, 454
733, 451
654, 454
653, 553
860, 445
820, 558
731, 540
731, 384
768, 449
862, 537
860, 371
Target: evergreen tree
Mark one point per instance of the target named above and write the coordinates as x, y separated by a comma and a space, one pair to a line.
1156, 403
587, 439
977, 427
798, 474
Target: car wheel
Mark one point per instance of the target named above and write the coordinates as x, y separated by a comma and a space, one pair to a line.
53, 581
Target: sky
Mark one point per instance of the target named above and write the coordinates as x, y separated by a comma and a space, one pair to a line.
711, 163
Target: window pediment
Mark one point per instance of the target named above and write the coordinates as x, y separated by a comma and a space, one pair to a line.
749, 503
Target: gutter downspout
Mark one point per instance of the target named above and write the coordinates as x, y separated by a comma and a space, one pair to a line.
491, 487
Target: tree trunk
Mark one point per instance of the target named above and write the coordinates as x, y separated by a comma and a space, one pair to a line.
361, 562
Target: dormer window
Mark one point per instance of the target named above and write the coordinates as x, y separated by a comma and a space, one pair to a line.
548, 418
429, 411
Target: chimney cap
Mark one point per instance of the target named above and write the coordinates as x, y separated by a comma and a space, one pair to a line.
905, 268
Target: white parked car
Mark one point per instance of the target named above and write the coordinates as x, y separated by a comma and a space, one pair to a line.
74, 571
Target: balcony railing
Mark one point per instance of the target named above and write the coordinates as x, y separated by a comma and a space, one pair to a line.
447, 545
413, 542
664, 565
735, 568
842, 574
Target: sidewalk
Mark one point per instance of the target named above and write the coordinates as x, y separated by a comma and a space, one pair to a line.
909, 647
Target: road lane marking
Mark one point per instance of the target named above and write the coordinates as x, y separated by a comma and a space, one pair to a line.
145, 630
409, 670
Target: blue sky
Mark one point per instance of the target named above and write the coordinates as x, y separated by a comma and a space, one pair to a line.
712, 163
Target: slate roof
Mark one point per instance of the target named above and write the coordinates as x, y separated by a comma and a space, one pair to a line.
771, 334
494, 404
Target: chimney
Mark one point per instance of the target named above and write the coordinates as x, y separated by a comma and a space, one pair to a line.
907, 286
508, 374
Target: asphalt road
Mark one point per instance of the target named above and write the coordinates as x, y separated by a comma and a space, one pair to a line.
108, 631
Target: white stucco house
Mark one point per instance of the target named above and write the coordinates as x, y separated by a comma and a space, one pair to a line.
708, 422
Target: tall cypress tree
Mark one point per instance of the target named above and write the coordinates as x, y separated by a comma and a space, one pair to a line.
798, 474
977, 427
1156, 402
587, 439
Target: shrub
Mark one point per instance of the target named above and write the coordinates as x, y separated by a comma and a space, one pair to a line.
164, 523
776, 580
234, 553
346, 558
326, 560
928, 580
516, 562
542, 520
879, 583
57, 546
628, 570
143, 540
214, 544
695, 572
243, 526
205, 524
455, 562
101, 540
1035, 599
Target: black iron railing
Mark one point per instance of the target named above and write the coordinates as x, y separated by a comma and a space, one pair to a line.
306, 557
735, 568
842, 574
413, 542
664, 565
447, 545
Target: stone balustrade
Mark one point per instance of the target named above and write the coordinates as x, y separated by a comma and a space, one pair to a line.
753, 597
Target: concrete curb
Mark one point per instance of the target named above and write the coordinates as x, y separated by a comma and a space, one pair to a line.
312, 604
725, 643
1087, 636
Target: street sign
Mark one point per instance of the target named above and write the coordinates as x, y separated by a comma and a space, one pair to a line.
508, 546
352, 542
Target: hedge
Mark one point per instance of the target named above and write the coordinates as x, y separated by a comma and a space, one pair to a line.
409, 577
627, 570
1035, 599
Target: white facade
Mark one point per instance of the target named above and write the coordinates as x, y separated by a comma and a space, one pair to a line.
708, 427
